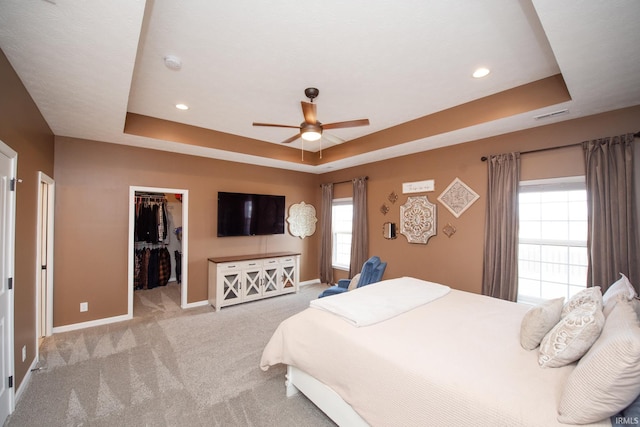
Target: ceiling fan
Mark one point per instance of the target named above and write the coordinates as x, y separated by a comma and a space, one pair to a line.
311, 129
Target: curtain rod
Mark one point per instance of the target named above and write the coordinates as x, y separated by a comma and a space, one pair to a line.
484, 158
342, 182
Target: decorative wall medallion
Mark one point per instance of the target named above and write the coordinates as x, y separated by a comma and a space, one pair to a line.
418, 219
449, 230
384, 209
458, 197
393, 197
302, 220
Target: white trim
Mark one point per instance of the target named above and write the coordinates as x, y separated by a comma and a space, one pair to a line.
26, 380
10, 258
310, 282
560, 183
196, 304
45, 179
91, 323
184, 287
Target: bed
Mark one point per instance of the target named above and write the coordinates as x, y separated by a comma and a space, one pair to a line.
454, 360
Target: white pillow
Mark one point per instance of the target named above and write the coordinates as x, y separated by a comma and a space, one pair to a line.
607, 378
590, 297
354, 282
538, 321
622, 288
572, 337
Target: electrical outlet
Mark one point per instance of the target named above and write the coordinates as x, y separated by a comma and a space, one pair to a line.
84, 306
24, 353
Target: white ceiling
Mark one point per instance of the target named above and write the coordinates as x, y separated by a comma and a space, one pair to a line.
87, 63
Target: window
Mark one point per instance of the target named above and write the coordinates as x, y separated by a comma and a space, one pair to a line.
341, 226
552, 244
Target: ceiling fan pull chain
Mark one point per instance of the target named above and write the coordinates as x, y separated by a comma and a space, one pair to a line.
302, 149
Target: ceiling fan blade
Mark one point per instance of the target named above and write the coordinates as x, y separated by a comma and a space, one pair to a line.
347, 124
309, 111
331, 138
290, 140
275, 125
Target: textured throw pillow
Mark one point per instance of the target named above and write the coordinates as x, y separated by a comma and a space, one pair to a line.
572, 337
622, 288
590, 297
607, 378
354, 282
538, 321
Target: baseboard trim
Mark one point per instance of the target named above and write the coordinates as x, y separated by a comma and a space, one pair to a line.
91, 323
195, 304
310, 282
115, 319
24, 383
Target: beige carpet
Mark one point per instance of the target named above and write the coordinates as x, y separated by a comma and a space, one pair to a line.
169, 367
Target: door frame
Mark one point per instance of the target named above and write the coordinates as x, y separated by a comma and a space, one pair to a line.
43, 179
10, 270
184, 287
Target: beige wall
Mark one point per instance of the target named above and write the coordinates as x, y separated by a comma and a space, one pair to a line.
92, 219
25, 131
457, 261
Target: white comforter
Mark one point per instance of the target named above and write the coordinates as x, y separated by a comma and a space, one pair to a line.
381, 301
454, 361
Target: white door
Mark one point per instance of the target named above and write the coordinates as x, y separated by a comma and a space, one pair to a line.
7, 167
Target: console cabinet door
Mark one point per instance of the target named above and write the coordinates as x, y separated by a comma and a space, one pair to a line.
271, 273
229, 286
288, 275
252, 281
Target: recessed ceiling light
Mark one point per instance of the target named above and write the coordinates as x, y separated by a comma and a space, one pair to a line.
182, 106
481, 72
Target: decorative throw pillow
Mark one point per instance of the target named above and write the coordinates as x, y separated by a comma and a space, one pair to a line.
622, 288
572, 337
538, 321
354, 282
607, 378
591, 297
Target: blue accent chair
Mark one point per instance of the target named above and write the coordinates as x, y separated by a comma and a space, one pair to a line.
372, 272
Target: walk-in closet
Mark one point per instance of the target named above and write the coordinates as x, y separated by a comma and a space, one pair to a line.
157, 240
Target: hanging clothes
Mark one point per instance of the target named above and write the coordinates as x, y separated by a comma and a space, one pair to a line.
152, 261
152, 268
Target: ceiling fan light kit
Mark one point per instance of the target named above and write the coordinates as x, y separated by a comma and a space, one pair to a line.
310, 132
311, 129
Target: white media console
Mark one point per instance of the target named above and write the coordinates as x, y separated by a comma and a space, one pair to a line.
243, 278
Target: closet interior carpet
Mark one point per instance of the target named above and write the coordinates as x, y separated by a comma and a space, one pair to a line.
169, 367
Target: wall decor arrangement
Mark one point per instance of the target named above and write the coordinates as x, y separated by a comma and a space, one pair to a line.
302, 220
418, 219
449, 230
458, 197
384, 209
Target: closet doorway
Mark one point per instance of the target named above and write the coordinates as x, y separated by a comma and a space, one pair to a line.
137, 194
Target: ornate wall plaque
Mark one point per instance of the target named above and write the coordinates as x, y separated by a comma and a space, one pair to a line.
302, 220
457, 197
418, 219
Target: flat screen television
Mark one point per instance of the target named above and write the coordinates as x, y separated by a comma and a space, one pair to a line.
241, 214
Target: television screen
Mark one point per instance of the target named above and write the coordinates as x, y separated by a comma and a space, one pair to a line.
241, 214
